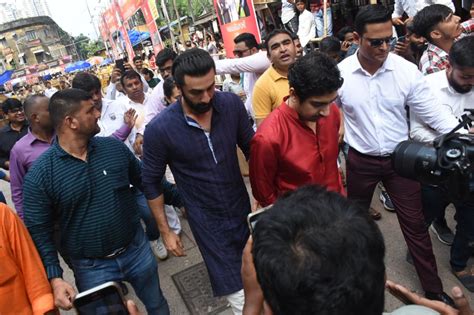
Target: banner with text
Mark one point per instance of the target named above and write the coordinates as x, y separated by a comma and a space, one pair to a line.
235, 17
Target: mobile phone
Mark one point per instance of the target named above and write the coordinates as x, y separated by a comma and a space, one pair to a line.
253, 217
119, 63
401, 39
104, 299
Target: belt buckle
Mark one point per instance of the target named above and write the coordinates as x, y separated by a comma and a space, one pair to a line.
115, 253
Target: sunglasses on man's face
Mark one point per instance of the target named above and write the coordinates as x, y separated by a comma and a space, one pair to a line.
15, 110
377, 42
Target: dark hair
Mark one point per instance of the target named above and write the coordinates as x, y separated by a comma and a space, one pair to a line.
193, 62
164, 55
64, 103
410, 27
343, 31
10, 103
427, 18
461, 52
30, 102
130, 74
168, 86
275, 33
86, 82
330, 44
136, 58
148, 71
314, 74
336, 253
248, 38
371, 14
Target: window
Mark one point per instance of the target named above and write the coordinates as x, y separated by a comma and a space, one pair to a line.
31, 35
3, 43
46, 32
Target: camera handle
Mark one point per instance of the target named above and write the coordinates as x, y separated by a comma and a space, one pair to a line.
465, 121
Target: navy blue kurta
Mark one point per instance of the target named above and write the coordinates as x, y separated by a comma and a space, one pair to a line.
208, 177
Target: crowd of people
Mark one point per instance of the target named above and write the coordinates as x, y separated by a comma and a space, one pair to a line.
103, 176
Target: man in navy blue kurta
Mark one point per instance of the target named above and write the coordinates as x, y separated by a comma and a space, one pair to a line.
197, 136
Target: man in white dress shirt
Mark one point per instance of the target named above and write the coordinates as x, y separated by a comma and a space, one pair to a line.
306, 24
454, 88
377, 87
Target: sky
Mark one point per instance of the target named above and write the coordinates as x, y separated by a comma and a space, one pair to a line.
73, 17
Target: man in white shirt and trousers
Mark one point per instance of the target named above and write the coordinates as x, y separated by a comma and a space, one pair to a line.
377, 87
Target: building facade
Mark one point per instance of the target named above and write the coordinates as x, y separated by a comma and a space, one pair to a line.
32, 42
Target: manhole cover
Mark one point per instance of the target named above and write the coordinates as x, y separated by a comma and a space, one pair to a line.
195, 288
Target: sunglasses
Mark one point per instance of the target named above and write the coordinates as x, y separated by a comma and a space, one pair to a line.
377, 42
15, 110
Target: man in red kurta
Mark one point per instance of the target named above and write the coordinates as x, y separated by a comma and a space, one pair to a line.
297, 144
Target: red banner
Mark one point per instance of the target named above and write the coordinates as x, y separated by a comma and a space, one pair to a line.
235, 17
129, 7
152, 28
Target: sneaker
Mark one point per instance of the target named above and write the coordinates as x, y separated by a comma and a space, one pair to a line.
443, 233
386, 201
159, 249
466, 277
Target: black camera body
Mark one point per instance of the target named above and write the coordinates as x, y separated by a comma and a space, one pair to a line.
449, 162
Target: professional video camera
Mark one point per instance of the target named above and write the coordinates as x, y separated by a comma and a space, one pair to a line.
449, 162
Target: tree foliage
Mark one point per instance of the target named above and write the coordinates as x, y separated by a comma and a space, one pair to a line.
86, 47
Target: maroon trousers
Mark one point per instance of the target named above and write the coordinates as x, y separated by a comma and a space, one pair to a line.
363, 174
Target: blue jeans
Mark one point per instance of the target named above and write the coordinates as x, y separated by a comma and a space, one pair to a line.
137, 265
146, 215
435, 200
319, 20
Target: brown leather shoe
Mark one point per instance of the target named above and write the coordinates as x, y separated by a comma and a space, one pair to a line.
374, 214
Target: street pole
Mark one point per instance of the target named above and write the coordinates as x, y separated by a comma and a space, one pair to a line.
95, 30
165, 12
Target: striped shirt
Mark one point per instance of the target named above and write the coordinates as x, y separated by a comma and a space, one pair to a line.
93, 201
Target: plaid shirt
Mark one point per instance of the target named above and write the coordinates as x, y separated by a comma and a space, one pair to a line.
435, 59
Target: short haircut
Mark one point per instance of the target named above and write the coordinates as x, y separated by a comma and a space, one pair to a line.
164, 55
427, 18
137, 58
371, 14
168, 86
11, 103
248, 38
461, 53
343, 31
330, 44
65, 103
147, 71
193, 62
30, 102
128, 75
335, 251
86, 82
314, 74
275, 33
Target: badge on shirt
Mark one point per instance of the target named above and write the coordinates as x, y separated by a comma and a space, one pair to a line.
112, 116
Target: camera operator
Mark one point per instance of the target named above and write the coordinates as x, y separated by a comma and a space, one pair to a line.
453, 87
336, 253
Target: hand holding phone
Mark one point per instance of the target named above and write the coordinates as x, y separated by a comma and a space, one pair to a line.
253, 217
101, 300
119, 63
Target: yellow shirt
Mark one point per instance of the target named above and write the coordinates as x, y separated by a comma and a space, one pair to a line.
268, 92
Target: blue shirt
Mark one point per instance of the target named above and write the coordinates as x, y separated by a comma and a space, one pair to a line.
206, 170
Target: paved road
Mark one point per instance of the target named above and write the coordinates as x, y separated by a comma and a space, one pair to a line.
397, 268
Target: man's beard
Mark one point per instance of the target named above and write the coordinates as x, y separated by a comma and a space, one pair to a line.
457, 87
198, 108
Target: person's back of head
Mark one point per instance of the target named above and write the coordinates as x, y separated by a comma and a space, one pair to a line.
86, 82
461, 54
331, 46
315, 252
426, 20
